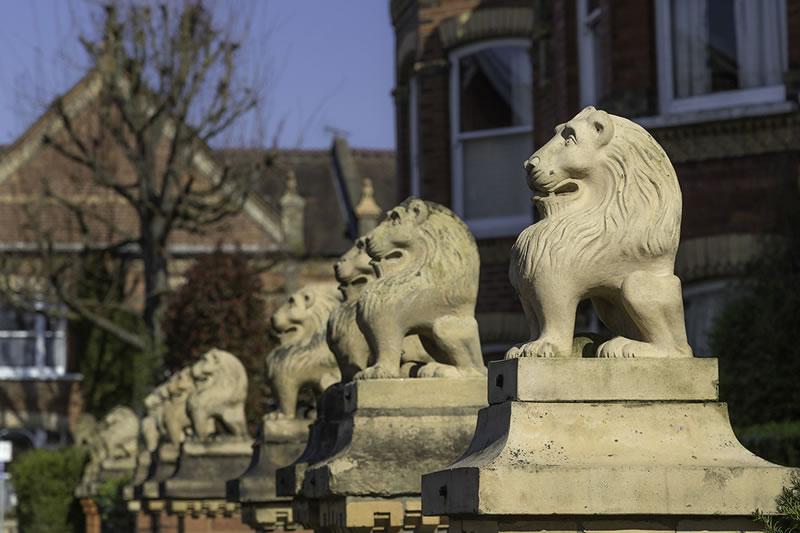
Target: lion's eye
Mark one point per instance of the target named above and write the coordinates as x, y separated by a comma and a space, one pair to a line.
394, 216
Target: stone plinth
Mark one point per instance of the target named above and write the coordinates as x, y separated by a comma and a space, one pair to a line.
392, 431
162, 466
321, 443
604, 445
279, 443
114, 468
140, 474
198, 485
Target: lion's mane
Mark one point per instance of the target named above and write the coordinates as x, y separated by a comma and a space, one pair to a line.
642, 212
223, 390
311, 352
451, 254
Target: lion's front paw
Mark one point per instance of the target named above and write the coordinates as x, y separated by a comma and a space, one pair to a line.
275, 415
438, 370
537, 348
376, 372
618, 347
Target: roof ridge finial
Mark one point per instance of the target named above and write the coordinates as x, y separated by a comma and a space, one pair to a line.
367, 206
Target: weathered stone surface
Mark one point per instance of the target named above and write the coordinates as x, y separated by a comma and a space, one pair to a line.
302, 357
204, 467
570, 459
610, 216
590, 379
113, 450
427, 268
279, 443
368, 471
613, 525
162, 466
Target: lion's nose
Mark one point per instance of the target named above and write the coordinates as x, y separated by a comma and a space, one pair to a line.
531, 164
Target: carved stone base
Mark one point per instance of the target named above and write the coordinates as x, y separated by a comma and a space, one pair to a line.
393, 431
278, 444
109, 469
321, 442
205, 467
605, 445
376, 514
161, 467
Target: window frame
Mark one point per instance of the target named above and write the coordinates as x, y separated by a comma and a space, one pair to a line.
415, 187
41, 335
587, 68
498, 226
668, 104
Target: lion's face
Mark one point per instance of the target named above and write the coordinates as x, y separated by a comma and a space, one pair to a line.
180, 382
296, 319
203, 369
565, 174
395, 243
353, 269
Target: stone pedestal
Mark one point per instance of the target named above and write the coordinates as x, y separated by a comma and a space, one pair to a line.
604, 445
161, 467
279, 443
390, 433
140, 474
198, 485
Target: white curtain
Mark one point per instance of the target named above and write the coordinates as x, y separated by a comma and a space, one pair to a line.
689, 47
509, 72
760, 41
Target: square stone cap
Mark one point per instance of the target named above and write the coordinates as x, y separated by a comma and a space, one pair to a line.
576, 379
219, 447
415, 393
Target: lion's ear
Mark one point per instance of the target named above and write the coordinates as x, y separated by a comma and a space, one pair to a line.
603, 125
308, 298
419, 209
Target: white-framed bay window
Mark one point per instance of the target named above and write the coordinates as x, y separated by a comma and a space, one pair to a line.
720, 53
491, 120
32, 345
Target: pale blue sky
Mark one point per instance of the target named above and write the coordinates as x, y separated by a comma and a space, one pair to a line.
329, 64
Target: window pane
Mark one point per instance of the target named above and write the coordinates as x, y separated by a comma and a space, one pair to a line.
723, 45
18, 351
495, 88
494, 181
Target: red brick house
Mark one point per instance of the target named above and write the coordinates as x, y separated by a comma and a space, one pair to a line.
302, 231
481, 83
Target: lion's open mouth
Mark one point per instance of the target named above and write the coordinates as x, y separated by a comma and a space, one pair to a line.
565, 187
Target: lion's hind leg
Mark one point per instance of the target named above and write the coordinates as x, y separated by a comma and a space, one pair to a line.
457, 340
654, 304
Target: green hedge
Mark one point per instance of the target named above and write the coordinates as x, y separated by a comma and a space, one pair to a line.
44, 481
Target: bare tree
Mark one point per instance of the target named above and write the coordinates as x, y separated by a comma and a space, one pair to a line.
169, 84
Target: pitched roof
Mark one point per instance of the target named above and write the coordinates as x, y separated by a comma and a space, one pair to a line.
16, 154
330, 197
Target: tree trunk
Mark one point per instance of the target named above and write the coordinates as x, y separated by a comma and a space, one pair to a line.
155, 271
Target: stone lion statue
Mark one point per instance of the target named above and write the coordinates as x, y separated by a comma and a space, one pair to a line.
216, 406
611, 211
174, 395
427, 266
118, 434
354, 272
302, 357
152, 426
